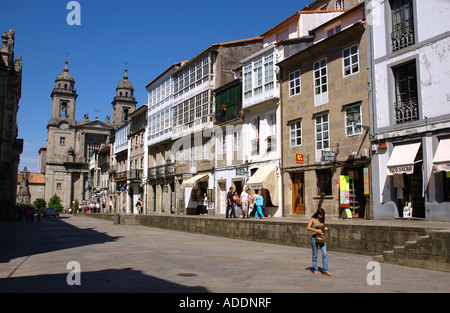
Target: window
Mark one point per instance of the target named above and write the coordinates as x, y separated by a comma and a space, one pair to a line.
339, 4
402, 24
294, 83
353, 120
58, 185
322, 135
272, 138
205, 147
194, 75
324, 178
268, 72
237, 140
222, 143
192, 153
350, 60
320, 82
406, 106
257, 70
333, 30
193, 111
255, 136
62, 141
259, 75
296, 133
181, 154
248, 81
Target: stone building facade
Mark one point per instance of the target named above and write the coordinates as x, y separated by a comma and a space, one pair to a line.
70, 144
10, 146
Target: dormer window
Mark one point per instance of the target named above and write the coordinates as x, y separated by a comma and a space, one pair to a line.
339, 4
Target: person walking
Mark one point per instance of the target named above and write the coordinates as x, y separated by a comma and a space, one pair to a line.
230, 208
259, 201
138, 206
235, 203
317, 226
245, 202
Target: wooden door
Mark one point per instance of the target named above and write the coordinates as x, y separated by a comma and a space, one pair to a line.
298, 193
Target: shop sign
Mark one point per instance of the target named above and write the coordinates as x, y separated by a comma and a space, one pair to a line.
299, 158
439, 167
344, 192
402, 169
133, 174
240, 171
187, 176
329, 156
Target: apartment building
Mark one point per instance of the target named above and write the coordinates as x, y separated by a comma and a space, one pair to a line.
261, 102
325, 118
193, 118
410, 66
161, 167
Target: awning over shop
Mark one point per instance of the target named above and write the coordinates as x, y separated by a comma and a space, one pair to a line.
402, 159
191, 181
266, 177
441, 161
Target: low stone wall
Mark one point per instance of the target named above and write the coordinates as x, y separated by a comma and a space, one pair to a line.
367, 239
375, 240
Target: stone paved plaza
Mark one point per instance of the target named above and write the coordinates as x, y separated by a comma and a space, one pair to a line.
135, 259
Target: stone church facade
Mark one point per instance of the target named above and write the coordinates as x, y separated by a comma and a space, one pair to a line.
70, 144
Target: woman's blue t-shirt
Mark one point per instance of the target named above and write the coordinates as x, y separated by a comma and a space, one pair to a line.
259, 200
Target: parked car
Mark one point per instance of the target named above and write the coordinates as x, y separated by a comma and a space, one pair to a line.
51, 212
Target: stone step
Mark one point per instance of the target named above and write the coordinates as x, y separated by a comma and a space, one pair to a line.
378, 258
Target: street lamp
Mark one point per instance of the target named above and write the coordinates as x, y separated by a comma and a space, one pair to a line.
353, 116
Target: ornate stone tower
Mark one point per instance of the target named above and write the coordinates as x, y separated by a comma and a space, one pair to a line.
61, 135
124, 102
64, 97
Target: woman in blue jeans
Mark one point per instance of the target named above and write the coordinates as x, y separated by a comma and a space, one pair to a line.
259, 203
316, 224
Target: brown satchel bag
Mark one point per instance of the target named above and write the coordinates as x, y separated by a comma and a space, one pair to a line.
321, 238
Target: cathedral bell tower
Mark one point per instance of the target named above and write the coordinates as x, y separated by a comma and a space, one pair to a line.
124, 102
64, 97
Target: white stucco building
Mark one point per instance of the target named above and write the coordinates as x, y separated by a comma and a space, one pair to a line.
409, 42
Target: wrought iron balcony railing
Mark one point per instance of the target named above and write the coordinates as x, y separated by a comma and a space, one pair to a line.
406, 110
403, 37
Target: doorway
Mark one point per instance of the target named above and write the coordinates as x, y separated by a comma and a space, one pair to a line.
298, 193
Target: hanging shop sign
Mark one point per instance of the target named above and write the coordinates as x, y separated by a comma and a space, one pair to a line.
329, 156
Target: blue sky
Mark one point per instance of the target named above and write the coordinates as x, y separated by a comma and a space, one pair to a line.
149, 35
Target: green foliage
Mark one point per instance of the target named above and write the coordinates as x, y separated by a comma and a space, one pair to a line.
74, 206
55, 202
39, 205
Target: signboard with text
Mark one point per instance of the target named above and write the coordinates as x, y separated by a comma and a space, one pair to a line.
329, 156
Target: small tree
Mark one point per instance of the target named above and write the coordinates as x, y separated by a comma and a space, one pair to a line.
39, 205
74, 206
55, 202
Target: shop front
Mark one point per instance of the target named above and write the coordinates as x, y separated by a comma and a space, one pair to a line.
194, 189
405, 167
440, 206
266, 178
